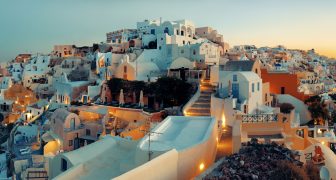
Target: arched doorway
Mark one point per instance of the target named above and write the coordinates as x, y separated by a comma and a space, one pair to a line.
132, 43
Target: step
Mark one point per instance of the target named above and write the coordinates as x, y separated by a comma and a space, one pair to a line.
206, 93
196, 105
193, 110
198, 114
203, 101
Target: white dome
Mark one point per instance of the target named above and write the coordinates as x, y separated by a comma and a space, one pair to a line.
181, 62
144, 69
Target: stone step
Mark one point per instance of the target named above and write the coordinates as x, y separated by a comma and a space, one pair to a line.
202, 101
197, 105
193, 110
198, 114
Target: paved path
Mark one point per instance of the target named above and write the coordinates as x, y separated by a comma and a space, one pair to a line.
224, 146
201, 107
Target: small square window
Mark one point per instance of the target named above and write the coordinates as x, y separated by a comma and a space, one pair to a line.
88, 132
252, 87
234, 78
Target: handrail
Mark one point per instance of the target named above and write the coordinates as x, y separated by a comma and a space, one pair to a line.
192, 100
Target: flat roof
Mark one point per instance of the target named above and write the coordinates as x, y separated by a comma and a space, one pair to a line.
178, 132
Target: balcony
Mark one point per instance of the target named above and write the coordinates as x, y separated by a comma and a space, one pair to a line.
259, 118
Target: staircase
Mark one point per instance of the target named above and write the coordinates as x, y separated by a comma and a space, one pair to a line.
201, 107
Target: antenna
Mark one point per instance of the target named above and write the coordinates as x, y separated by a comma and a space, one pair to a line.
149, 133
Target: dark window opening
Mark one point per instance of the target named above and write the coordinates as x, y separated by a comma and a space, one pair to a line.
64, 165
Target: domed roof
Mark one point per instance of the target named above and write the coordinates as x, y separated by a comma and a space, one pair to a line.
181, 62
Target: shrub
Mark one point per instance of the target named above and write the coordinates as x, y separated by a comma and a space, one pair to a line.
286, 108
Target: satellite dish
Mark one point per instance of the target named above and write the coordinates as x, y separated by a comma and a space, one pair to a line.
324, 173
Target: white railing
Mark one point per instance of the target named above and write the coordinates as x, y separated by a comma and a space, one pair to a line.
192, 100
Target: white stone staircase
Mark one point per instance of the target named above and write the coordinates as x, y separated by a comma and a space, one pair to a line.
201, 106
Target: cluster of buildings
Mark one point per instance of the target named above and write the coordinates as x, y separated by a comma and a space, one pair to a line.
66, 124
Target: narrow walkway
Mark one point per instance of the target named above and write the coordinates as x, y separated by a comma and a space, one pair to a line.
201, 107
224, 146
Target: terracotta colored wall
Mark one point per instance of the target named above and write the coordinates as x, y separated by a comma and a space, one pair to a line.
278, 80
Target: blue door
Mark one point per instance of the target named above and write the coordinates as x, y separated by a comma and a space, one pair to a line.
235, 90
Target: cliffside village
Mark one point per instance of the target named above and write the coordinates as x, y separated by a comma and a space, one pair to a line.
91, 112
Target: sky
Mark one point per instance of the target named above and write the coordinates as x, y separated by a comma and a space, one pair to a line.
36, 25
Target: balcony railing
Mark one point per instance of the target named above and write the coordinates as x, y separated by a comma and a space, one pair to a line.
259, 118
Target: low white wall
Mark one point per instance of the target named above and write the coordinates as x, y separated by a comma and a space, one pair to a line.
189, 160
162, 167
192, 100
216, 109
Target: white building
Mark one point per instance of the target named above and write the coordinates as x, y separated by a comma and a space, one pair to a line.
184, 152
36, 70
245, 88
5, 83
16, 71
103, 60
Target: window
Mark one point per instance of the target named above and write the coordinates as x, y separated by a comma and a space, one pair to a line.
194, 52
72, 123
159, 47
182, 33
177, 32
166, 30
183, 42
88, 132
64, 165
125, 69
252, 87
258, 86
152, 31
70, 142
234, 78
266, 97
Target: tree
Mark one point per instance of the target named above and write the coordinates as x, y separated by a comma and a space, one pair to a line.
166, 90
286, 108
318, 109
172, 91
136, 87
115, 85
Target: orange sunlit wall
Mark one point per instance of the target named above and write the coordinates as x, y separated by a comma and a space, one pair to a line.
283, 83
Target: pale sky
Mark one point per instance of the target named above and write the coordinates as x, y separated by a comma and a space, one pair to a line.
30, 26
